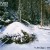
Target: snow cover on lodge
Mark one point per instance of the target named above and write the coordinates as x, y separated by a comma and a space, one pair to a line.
16, 29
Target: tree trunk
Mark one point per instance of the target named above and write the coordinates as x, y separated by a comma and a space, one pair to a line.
41, 14
20, 9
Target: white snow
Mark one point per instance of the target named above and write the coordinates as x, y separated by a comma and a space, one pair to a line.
45, 27
43, 37
15, 29
43, 34
7, 20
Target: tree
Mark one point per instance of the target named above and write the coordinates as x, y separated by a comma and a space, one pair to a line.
20, 9
41, 14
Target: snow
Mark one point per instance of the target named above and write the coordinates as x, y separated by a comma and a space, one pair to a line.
7, 20
45, 27
26, 21
42, 34
15, 29
43, 37
33, 46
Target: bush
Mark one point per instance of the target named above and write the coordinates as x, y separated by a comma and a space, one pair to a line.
7, 40
26, 38
19, 40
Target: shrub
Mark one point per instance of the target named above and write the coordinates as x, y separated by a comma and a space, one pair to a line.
19, 40
7, 39
26, 38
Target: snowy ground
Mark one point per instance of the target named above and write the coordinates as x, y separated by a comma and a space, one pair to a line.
42, 42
